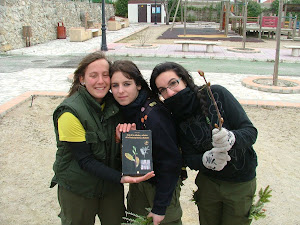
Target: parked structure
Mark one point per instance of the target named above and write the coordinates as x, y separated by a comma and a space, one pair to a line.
149, 11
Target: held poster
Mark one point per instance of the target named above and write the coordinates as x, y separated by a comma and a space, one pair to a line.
137, 152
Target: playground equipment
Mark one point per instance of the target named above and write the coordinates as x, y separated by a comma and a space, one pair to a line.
241, 23
269, 24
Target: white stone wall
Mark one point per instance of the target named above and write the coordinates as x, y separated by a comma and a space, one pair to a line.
43, 16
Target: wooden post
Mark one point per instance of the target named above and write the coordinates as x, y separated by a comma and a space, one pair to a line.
260, 25
235, 13
244, 24
278, 34
294, 27
175, 15
221, 16
181, 11
227, 17
184, 30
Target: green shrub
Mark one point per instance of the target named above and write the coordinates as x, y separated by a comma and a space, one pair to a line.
253, 9
191, 18
122, 8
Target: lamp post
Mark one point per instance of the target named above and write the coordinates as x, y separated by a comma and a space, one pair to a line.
103, 28
155, 13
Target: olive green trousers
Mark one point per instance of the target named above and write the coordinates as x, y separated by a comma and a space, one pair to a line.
223, 203
141, 196
78, 210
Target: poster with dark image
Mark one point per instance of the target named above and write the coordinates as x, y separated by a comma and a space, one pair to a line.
137, 152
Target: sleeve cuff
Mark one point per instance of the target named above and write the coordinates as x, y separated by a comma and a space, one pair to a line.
159, 210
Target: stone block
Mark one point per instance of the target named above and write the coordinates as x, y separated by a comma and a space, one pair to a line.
79, 34
5, 48
113, 25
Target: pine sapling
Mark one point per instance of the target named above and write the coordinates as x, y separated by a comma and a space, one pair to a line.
257, 211
135, 219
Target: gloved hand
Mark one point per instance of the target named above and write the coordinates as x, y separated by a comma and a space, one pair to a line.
215, 159
223, 138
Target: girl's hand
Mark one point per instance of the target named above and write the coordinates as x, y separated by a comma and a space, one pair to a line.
156, 218
125, 127
133, 180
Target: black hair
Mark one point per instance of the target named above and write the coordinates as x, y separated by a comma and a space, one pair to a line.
201, 92
130, 71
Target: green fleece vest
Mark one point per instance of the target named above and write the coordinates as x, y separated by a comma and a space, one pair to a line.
100, 133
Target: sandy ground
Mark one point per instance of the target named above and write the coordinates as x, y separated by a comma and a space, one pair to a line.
27, 152
152, 32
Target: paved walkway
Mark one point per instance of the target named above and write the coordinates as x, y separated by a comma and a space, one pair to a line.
49, 80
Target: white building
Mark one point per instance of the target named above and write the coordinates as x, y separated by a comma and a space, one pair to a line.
148, 11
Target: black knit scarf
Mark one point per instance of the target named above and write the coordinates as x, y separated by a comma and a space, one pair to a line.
183, 105
131, 111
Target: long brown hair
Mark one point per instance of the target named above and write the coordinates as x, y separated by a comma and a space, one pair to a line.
80, 71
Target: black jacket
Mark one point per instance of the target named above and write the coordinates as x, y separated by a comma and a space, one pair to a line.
194, 132
166, 155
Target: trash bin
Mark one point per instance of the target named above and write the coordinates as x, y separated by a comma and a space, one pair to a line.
61, 31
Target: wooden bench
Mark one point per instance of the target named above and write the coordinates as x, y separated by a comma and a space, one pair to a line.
186, 43
95, 32
295, 49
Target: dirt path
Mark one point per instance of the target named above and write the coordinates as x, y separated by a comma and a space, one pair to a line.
28, 149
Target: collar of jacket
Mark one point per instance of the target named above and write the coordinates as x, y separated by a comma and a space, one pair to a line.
110, 108
131, 111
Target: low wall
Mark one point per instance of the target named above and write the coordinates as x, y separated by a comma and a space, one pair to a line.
43, 17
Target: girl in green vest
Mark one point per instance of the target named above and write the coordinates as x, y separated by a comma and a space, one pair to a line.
88, 161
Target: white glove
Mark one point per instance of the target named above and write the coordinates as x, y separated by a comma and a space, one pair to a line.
223, 138
215, 159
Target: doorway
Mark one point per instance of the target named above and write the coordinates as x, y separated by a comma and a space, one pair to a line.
142, 14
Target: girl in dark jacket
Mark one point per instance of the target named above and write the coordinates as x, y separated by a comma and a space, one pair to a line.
225, 158
160, 193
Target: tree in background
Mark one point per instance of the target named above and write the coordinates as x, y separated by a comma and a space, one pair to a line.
169, 6
253, 9
275, 7
172, 10
121, 7
296, 13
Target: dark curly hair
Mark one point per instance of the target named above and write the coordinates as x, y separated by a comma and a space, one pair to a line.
201, 91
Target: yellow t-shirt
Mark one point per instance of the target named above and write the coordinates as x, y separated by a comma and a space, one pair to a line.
70, 129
